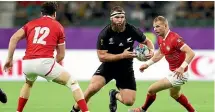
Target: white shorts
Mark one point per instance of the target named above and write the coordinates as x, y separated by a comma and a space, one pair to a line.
177, 82
47, 68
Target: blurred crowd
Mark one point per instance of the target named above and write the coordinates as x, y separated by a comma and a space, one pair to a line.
97, 12
195, 10
77, 12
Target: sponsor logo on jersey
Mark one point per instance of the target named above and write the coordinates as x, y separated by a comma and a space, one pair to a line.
129, 40
121, 44
111, 41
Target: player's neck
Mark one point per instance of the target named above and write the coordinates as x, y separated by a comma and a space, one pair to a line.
165, 34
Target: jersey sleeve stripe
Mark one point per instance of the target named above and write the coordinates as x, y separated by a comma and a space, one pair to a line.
182, 46
61, 43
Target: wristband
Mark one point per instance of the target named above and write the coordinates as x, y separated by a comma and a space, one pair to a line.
150, 62
184, 64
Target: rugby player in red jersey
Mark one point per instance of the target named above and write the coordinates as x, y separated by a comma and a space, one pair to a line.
178, 55
43, 36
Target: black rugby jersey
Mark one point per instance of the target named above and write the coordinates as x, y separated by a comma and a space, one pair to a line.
117, 42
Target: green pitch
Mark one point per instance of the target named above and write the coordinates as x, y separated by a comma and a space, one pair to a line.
50, 97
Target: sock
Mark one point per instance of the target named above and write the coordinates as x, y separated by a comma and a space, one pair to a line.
149, 100
82, 105
183, 101
74, 109
21, 104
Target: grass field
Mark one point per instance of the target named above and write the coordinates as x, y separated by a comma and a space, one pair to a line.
49, 97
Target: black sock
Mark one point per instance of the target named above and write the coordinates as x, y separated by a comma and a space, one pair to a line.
76, 110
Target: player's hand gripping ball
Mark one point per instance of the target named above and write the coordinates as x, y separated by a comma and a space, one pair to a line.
141, 51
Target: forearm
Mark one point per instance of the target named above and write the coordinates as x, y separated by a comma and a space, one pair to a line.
149, 44
189, 55
12, 47
59, 58
157, 57
188, 59
107, 57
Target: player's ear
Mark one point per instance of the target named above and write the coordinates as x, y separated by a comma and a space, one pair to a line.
55, 14
165, 25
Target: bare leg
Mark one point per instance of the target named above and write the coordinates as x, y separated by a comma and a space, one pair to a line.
24, 95
151, 96
126, 96
96, 83
67, 80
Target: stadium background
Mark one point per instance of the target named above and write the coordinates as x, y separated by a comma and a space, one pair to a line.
194, 21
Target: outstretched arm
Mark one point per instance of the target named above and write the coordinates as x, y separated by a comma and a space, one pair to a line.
157, 57
19, 35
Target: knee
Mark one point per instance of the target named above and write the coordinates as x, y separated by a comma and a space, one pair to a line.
72, 84
128, 101
174, 95
29, 84
151, 91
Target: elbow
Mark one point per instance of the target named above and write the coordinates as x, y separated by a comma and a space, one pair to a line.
192, 54
102, 58
60, 58
13, 40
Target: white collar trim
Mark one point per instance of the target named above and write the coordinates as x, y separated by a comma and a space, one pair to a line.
166, 34
48, 16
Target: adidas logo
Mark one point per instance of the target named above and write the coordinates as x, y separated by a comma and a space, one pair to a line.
121, 44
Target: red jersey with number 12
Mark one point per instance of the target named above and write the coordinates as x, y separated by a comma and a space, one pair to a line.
43, 35
170, 46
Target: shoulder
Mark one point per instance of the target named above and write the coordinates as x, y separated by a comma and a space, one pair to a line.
174, 36
32, 22
104, 32
58, 25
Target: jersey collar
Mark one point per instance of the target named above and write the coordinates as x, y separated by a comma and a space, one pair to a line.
48, 16
166, 35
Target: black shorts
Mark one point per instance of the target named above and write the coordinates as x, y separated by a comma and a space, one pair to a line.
124, 77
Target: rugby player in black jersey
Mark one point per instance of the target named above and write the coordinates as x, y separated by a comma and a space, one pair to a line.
115, 51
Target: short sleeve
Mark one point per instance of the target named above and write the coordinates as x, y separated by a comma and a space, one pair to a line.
101, 44
61, 38
25, 28
138, 34
178, 43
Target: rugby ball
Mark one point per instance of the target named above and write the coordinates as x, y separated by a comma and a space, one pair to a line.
141, 51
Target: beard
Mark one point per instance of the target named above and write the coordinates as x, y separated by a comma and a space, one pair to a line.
118, 27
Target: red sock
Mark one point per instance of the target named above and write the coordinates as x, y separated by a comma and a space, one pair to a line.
21, 104
149, 100
82, 105
183, 101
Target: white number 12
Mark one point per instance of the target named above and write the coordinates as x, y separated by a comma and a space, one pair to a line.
41, 30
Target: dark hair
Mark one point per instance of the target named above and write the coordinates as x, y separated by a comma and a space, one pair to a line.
49, 8
117, 8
